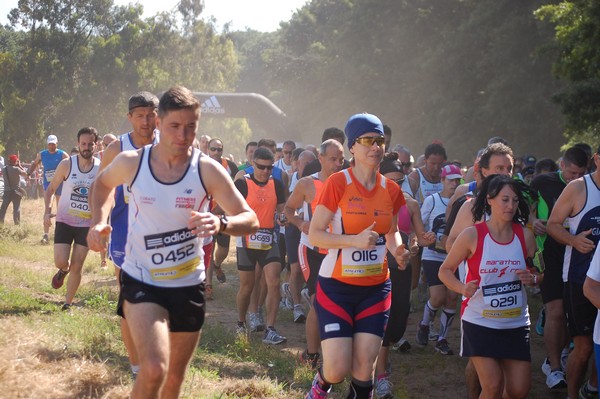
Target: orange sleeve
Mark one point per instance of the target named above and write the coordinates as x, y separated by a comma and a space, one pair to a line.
332, 192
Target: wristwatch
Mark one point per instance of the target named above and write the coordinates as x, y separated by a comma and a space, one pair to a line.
224, 222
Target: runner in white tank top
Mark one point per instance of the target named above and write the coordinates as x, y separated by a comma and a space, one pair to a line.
73, 214
160, 249
164, 241
495, 324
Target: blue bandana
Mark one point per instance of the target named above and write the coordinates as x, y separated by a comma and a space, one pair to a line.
360, 124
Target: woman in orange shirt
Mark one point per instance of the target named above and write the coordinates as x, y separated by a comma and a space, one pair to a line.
356, 220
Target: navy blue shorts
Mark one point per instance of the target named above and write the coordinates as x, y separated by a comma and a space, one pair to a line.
344, 310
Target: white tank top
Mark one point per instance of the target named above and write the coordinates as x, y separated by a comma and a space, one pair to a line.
160, 249
73, 208
426, 188
500, 302
433, 214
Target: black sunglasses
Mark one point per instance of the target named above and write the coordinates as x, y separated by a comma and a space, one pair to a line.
263, 167
406, 164
216, 149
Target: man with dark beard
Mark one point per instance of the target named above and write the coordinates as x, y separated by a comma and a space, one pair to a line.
73, 214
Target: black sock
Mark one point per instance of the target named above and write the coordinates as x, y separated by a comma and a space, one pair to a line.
360, 389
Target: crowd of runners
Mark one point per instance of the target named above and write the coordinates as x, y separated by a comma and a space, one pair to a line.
339, 234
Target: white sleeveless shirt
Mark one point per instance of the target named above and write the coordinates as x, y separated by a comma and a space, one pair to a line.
160, 249
73, 208
426, 188
500, 301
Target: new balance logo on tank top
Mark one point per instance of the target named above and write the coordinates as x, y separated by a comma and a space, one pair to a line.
73, 208
355, 209
160, 249
577, 264
426, 188
500, 302
118, 216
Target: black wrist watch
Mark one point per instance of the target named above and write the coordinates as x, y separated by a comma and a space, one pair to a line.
224, 222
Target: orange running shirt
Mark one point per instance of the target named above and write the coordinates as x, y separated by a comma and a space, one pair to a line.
263, 201
356, 208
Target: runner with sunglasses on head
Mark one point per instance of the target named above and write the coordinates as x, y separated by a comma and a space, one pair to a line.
356, 220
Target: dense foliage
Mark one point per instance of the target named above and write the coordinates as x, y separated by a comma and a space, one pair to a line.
456, 70
74, 63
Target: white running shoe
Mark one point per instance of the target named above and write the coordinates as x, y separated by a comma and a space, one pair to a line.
299, 316
254, 322
272, 337
556, 379
286, 296
383, 389
546, 369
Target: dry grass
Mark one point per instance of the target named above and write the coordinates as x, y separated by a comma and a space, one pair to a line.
46, 353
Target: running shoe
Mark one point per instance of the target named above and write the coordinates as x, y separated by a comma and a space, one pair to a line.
383, 389
221, 277
240, 329
316, 392
103, 265
564, 357
585, 393
403, 345
443, 347
208, 292
433, 333
299, 316
272, 337
66, 307
306, 296
546, 369
255, 323
45, 240
556, 379
286, 294
59, 279
541, 322
311, 359
422, 334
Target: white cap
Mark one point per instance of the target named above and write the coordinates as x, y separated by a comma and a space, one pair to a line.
52, 139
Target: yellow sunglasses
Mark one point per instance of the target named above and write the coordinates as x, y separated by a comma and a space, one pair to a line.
369, 140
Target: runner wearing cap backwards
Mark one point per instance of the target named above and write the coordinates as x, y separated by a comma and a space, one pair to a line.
50, 159
142, 117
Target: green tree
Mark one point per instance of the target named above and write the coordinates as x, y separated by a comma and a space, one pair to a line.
459, 70
577, 34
